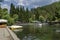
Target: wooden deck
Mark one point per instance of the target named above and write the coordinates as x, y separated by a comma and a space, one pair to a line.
4, 35
7, 34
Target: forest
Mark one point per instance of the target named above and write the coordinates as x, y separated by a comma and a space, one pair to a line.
24, 15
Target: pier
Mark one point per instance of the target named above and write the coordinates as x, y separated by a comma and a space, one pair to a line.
7, 34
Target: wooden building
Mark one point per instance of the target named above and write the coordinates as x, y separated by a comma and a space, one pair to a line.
3, 23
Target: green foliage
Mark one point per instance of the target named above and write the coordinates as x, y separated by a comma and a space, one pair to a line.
15, 16
12, 10
5, 15
41, 18
11, 21
19, 13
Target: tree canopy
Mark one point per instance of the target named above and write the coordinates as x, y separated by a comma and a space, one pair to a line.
43, 14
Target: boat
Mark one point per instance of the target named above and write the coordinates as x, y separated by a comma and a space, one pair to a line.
40, 24
16, 27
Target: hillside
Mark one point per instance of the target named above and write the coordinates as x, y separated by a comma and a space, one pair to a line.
43, 14
49, 12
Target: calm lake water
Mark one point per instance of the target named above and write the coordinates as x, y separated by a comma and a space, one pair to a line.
37, 32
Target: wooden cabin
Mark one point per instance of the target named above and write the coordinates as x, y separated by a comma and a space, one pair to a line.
3, 23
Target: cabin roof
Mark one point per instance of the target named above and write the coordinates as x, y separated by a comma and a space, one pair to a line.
3, 20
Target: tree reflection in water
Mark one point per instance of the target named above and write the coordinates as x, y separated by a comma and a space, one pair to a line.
47, 32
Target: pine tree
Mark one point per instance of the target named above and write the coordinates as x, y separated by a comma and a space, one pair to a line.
12, 10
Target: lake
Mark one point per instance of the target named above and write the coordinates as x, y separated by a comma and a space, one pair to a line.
36, 32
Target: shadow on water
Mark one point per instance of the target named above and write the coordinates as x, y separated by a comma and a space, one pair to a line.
34, 32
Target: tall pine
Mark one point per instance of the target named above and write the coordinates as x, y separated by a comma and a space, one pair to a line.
12, 10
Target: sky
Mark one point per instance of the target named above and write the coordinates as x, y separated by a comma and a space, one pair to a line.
26, 3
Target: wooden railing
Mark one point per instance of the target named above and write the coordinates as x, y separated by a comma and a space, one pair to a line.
13, 36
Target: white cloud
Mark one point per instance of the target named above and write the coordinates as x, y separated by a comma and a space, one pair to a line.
7, 0
20, 2
29, 3
54, 0
24, 2
57, 0
5, 6
16, 1
36, 6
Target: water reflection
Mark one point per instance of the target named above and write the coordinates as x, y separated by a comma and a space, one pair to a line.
44, 32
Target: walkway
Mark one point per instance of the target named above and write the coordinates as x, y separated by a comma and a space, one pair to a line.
7, 34
4, 35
